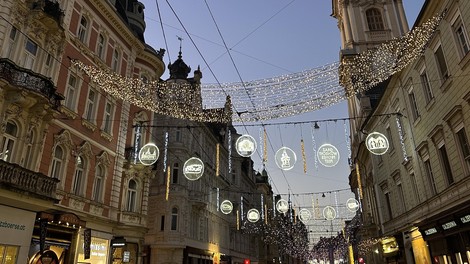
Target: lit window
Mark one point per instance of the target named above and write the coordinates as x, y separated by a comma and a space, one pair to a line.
8, 254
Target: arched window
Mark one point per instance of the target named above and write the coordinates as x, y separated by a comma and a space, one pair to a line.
57, 163
374, 19
98, 184
10, 137
174, 218
82, 29
131, 196
79, 177
101, 47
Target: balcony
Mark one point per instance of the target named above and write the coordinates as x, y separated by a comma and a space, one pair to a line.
18, 179
30, 81
50, 8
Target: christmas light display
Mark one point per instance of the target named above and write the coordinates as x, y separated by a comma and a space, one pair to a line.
275, 97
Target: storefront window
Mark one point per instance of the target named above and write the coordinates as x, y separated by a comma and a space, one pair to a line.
8, 254
126, 254
98, 251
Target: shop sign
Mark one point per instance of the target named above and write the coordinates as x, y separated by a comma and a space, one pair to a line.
430, 231
449, 225
465, 219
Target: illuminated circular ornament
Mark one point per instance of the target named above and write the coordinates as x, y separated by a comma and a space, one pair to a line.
245, 145
285, 158
252, 215
149, 154
377, 143
352, 205
305, 215
282, 206
226, 207
329, 213
328, 155
193, 169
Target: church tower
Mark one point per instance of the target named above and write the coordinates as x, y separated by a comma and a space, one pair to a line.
364, 24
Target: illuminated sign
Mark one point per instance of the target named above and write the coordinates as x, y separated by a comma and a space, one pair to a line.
245, 145
328, 155
449, 225
193, 169
465, 219
148, 154
352, 205
282, 206
304, 215
252, 215
329, 213
226, 207
285, 158
377, 143
430, 231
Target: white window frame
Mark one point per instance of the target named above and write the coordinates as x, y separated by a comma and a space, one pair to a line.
79, 177
57, 163
115, 62
9, 143
82, 31
108, 115
461, 35
13, 40
72, 92
31, 50
101, 46
98, 183
90, 106
131, 198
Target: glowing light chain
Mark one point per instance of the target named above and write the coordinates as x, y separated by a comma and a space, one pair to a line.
371, 67
304, 157
270, 98
402, 141
175, 99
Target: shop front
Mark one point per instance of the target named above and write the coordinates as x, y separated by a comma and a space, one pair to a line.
449, 239
16, 229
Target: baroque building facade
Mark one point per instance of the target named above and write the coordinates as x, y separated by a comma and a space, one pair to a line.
414, 197
186, 219
69, 192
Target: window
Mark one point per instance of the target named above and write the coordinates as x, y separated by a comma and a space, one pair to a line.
101, 46
391, 146
446, 164
464, 147
107, 119
8, 143
12, 44
441, 62
48, 65
374, 19
401, 197
90, 108
131, 196
414, 186
175, 173
428, 94
8, 254
388, 205
82, 29
29, 153
178, 134
57, 162
98, 183
174, 218
413, 104
115, 62
461, 36
430, 176
78, 179
162, 223
71, 93
31, 50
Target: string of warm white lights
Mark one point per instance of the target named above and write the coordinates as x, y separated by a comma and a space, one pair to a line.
275, 97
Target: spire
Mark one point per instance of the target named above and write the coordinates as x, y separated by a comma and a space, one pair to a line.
179, 69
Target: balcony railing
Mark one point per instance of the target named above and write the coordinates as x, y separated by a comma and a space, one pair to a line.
31, 81
17, 178
51, 8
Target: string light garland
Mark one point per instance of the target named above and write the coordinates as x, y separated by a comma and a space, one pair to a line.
402, 141
373, 66
270, 98
165, 157
167, 193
